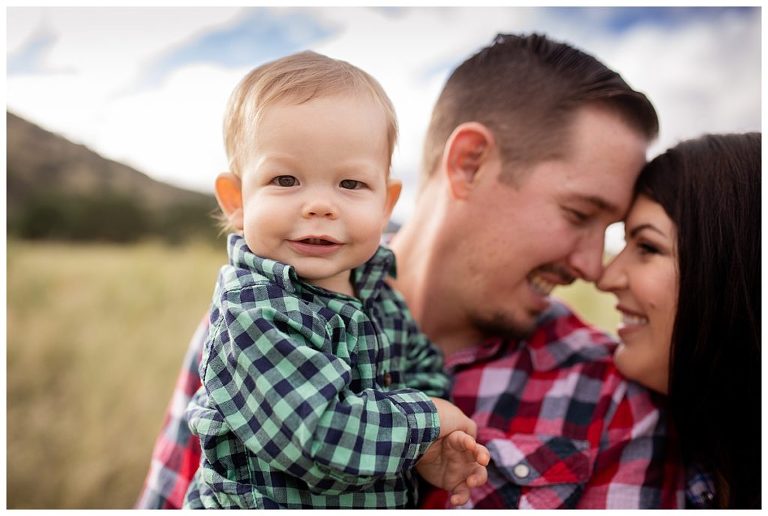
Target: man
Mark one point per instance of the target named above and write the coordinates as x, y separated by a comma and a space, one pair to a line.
532, 151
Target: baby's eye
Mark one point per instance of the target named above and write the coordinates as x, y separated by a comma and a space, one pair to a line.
285, 181
351, 184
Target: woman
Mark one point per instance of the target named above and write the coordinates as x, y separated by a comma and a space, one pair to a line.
688, 287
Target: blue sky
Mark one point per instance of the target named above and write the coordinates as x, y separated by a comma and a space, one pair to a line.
256, 36
148, 85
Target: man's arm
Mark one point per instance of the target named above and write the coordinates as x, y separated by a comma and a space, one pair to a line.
176, 455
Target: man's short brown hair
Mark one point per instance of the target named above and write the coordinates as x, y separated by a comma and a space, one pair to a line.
525, 89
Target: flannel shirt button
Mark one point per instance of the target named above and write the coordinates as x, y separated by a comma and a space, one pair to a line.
387, 379
521, 471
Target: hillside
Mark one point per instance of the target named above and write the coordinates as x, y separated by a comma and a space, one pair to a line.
54, 184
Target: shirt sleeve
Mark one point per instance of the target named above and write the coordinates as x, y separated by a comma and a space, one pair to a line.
273, 377
424, 365
176, 453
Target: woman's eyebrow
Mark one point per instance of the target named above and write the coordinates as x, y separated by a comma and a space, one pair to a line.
637, 229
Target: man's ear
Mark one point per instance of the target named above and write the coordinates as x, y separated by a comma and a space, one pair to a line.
466, 150
394, 187
230, 197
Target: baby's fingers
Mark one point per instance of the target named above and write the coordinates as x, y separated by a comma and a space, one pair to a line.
462, 441
478, 477
482, 455
460, 495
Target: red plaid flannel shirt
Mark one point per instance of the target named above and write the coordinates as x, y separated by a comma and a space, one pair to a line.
564, 429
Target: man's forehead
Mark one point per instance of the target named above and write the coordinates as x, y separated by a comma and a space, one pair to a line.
608, 193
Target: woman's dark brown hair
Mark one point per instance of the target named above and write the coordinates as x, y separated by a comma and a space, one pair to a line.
710, 188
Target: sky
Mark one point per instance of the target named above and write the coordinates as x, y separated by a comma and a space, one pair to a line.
147, 86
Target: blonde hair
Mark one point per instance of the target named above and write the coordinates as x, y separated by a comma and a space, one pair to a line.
297, 78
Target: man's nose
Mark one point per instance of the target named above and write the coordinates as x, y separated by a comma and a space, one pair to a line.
587, 258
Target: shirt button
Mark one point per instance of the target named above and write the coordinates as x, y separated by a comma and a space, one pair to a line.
521, 471
387, 379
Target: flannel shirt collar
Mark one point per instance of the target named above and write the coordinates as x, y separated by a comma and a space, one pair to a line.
559, 337
367, 278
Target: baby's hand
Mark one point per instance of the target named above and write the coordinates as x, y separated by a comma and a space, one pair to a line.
452, 419
455, 463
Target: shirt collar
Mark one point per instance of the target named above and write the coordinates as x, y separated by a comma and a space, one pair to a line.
367, 278
559, 337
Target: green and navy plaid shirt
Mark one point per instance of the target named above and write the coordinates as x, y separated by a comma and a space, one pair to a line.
311, 398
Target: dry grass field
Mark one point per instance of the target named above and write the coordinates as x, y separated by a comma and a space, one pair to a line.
96, 334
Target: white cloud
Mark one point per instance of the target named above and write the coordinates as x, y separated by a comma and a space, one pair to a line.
702, 75
177, 126
105, 48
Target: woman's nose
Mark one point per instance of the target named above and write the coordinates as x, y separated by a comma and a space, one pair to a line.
614, 276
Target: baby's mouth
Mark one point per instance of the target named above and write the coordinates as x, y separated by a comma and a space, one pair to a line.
317, 241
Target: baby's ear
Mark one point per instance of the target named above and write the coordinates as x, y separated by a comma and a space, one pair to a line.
394, 187
230, 197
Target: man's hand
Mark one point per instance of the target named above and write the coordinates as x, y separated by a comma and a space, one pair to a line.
455, 463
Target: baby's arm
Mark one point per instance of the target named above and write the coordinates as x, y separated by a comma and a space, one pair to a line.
424, 368
287, 398
455, 462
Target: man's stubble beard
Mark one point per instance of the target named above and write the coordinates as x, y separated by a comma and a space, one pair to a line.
502, 325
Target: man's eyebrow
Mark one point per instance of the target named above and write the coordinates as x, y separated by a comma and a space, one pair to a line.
600, 203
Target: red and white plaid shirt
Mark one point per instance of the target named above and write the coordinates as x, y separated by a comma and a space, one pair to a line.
564, 429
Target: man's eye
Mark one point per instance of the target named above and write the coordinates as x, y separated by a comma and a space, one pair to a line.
577, 216
285, 181
351, 184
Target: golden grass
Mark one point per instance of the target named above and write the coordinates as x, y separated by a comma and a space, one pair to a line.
96, 335
593, 306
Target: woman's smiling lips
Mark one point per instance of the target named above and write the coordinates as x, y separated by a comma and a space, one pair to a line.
630, 321
322, 245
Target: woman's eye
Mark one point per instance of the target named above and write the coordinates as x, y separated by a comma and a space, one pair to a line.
646, 248
351, 184
285, 181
